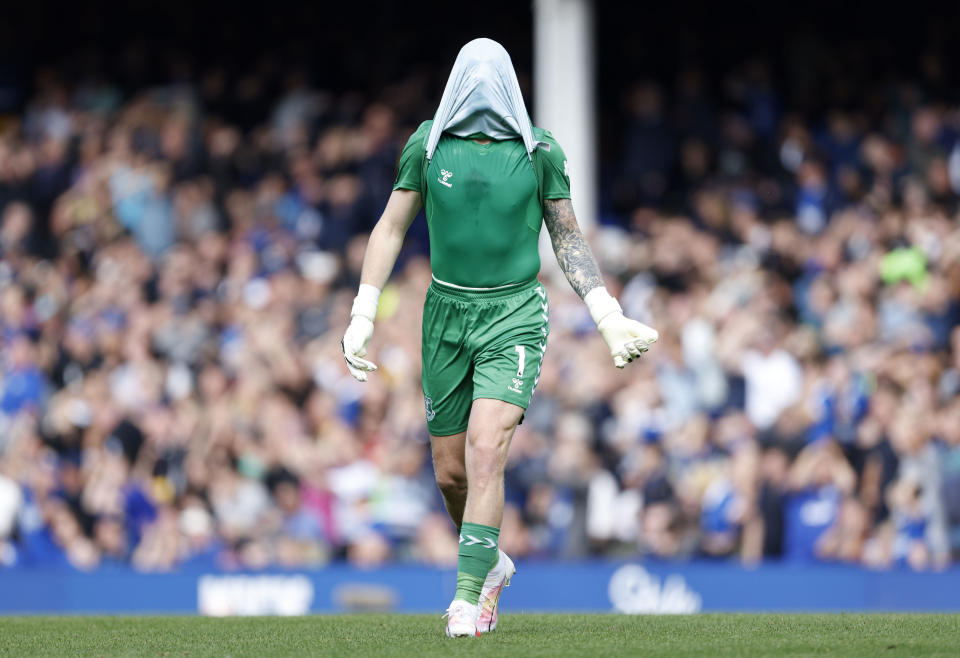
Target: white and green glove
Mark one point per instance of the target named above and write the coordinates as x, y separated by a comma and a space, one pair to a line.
360, 331
626, 338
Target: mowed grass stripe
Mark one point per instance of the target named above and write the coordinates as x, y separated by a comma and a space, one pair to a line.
525, 635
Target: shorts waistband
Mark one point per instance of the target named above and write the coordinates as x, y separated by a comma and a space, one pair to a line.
499, 292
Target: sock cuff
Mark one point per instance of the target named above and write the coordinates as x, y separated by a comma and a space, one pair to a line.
480, 528
477, 555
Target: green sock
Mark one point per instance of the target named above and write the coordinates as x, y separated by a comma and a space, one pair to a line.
478, 554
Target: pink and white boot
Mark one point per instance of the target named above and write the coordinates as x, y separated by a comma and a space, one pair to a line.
498, 578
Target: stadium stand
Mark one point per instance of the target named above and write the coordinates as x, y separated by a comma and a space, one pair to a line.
177, 267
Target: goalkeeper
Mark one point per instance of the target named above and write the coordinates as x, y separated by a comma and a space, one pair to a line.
489, 179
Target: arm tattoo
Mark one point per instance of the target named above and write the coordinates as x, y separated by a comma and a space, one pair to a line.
573, 253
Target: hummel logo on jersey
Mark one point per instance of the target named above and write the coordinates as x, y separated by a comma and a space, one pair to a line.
471, 540
566, 169
444, 176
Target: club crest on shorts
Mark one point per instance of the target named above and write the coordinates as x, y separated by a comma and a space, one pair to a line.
428, 403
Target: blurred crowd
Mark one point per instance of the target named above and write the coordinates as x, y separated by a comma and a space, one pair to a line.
177, 266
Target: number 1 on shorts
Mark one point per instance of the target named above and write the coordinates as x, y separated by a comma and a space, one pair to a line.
521, 354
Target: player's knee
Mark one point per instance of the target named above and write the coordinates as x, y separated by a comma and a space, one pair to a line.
489, 439
453, 484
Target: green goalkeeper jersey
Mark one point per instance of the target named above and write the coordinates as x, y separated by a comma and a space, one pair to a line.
483, 205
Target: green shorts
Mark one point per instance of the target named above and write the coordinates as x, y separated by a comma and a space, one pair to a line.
486, 344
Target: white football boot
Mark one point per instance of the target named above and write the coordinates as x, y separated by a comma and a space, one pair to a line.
462, 619
498, 578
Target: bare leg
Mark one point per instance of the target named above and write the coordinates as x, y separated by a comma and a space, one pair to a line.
451, 472
492, 424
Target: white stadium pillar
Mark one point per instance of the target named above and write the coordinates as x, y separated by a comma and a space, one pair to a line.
563, 92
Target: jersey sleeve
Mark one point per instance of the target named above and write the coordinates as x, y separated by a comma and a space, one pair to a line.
411, 159
556, 172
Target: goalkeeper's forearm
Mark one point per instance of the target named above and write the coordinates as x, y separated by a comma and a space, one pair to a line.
573, 253
626, 338
382, 250
386, 238
576, 259
383, 247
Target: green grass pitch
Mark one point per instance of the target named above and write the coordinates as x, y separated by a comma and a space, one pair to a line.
525, 635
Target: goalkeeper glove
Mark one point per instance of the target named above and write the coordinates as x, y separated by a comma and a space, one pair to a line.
360, 331
626, 338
